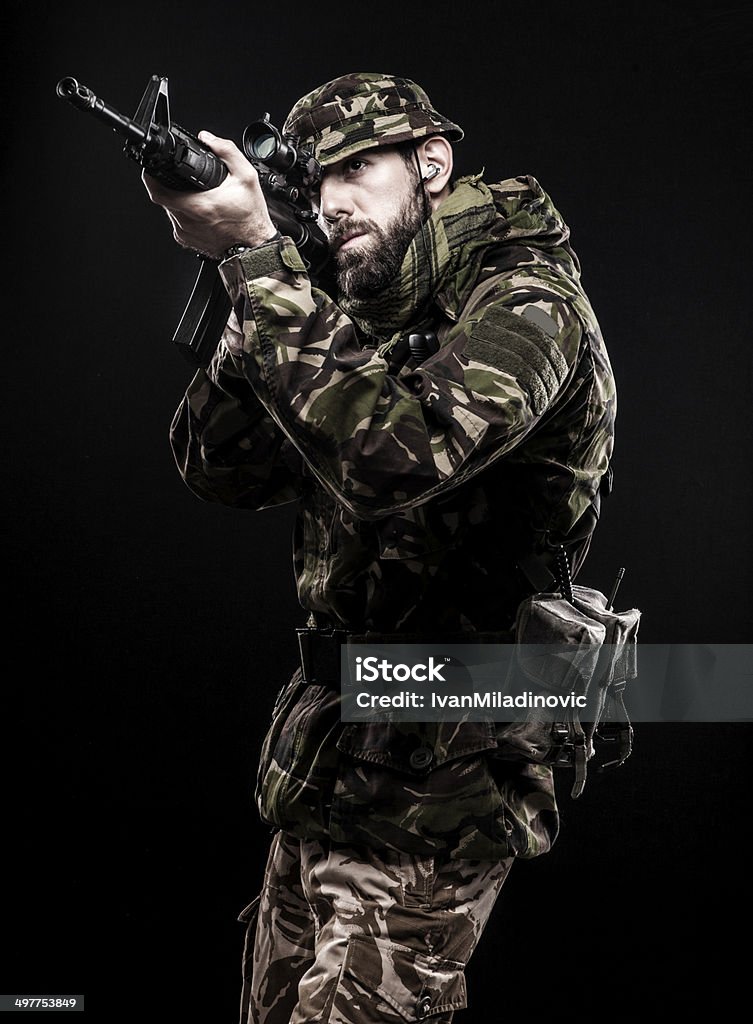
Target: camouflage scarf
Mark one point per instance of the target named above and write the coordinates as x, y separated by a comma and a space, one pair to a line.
446, 259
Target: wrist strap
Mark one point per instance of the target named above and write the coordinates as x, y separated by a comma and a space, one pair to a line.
241, 247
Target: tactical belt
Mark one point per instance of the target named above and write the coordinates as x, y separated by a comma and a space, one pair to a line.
319, 649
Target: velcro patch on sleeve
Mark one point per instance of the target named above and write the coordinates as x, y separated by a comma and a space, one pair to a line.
537, 316
517, 346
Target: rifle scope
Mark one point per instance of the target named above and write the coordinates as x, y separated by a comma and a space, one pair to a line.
263, 141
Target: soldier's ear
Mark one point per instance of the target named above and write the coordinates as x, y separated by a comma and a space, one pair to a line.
436, 159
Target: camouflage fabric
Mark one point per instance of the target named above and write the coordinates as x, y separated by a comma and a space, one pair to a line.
419, 488
359, 783
343, 935
361, 110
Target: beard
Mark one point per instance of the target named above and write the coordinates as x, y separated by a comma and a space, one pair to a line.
365, 270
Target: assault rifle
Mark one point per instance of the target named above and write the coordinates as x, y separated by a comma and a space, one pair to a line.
176, 157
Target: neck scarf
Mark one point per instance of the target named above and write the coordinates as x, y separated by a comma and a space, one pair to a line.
445, 255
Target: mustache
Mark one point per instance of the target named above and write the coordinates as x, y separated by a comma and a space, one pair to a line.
346, 229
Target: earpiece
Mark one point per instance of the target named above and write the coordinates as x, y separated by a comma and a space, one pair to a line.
432, 172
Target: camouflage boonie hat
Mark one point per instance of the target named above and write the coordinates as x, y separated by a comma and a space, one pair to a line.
361, 110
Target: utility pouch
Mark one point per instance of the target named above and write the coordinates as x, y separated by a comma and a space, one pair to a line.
575, 645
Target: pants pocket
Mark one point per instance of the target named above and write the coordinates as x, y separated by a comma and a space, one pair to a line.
422, 788
383, 982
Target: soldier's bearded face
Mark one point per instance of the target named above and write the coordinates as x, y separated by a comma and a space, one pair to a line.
370, 209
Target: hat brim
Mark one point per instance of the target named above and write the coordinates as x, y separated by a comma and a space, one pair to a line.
342, 140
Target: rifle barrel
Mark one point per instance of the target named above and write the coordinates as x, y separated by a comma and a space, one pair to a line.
84, 99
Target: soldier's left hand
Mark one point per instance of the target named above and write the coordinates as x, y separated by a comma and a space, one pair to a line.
235, 212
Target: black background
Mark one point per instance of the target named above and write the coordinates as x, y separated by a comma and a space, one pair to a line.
147, 632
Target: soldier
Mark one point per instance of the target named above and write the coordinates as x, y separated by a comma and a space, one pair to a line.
443, 418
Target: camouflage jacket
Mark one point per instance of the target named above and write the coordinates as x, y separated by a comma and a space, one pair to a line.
420, 484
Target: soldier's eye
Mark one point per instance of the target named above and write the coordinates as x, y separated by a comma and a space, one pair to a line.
355, 165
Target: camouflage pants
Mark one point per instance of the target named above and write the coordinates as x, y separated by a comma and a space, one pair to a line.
341, 935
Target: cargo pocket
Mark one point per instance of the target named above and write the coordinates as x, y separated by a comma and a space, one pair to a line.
385, 983
422, 788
